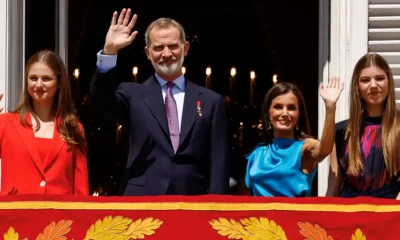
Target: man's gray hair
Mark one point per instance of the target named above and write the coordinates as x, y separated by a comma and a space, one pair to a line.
164, 23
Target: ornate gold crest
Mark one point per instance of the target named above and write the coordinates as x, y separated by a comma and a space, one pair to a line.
110, 228
263, 229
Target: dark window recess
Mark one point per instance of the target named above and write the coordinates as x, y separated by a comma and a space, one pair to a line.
40, 26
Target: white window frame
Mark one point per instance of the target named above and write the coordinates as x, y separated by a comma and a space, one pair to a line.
12, 53
62, 33
343, 39
12, 48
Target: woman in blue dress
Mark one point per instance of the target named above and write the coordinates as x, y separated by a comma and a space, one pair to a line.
285, 164
366, 157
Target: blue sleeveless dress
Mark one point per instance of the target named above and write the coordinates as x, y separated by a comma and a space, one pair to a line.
274, 170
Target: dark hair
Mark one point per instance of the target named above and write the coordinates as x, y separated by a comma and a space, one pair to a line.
164, 23
66, 120
303, 130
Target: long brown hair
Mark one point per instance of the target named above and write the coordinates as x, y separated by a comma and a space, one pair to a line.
390, 120
303, 126
66, 120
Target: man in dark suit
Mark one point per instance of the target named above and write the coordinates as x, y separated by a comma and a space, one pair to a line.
178, 132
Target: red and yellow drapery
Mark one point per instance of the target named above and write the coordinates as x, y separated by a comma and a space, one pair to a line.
198, 217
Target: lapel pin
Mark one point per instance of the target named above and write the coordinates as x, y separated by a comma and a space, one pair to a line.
199, 109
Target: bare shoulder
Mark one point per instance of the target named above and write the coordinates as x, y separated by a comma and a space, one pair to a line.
310, 143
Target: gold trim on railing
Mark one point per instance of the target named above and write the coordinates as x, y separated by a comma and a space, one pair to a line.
197, 206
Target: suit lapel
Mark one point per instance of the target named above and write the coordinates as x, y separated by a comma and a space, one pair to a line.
152, 95
56, 145
27, 137
189, 114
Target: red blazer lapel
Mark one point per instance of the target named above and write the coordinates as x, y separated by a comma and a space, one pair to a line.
56, 146
28, 138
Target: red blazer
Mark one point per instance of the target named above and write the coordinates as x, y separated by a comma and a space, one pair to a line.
22, 168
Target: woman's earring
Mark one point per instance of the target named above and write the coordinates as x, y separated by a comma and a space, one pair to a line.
297, 126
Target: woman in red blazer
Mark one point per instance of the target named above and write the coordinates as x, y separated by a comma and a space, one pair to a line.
42, 144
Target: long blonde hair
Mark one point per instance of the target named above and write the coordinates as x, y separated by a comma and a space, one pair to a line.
390, 120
